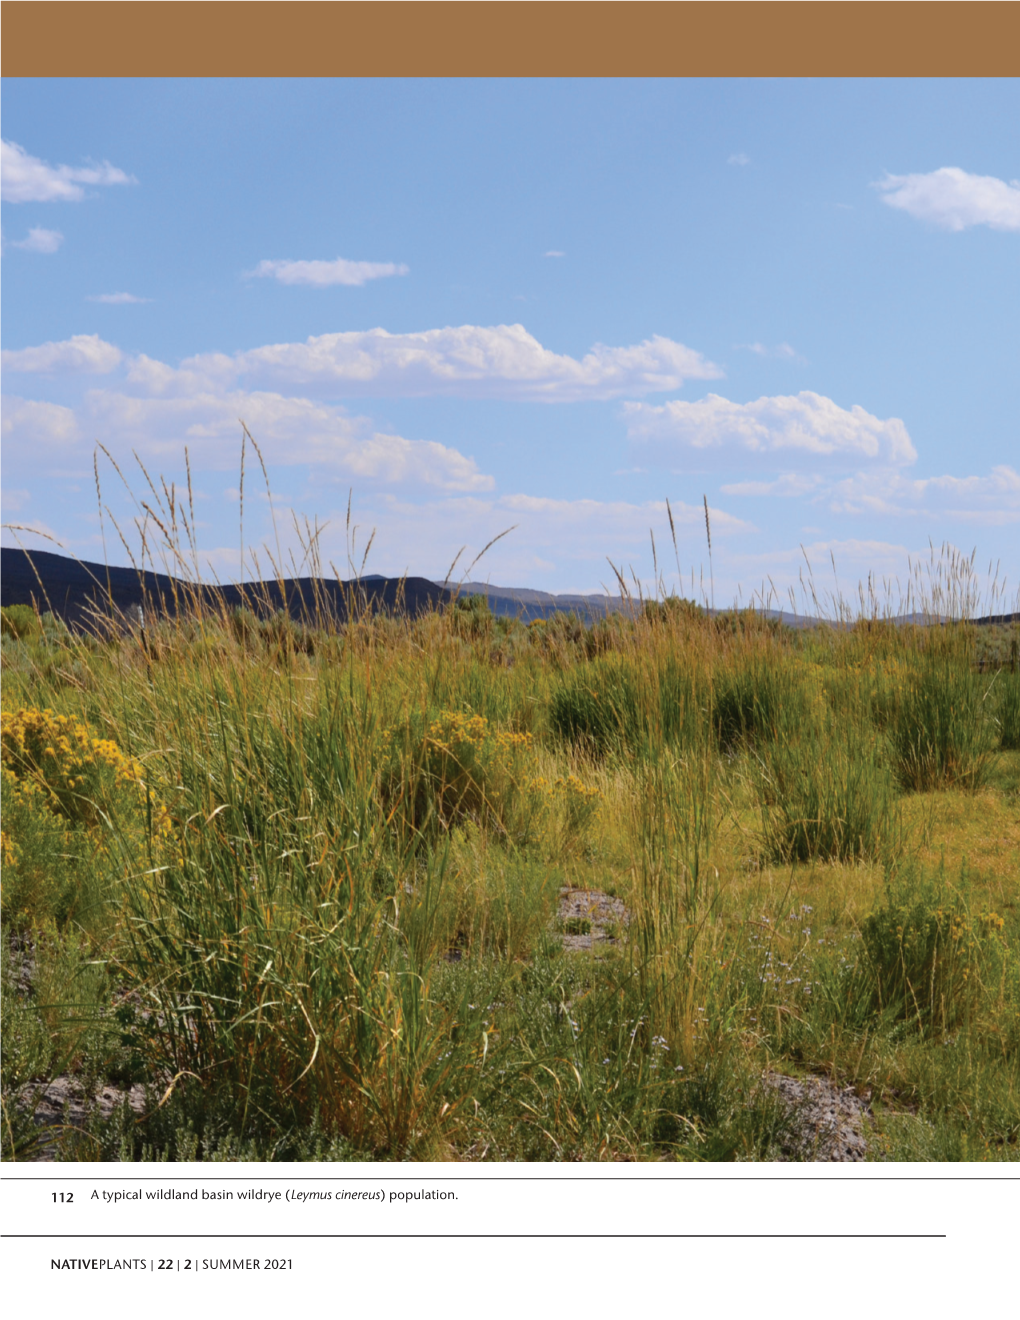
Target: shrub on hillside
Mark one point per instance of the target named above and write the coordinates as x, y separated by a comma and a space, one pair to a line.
19, 621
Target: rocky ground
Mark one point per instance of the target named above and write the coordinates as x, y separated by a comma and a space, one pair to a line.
828, 1122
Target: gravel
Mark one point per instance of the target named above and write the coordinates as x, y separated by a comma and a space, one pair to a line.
828, 1123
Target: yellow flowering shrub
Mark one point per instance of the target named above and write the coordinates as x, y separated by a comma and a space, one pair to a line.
60, 785
39, 855
926, 954
457, 767
472, 769
79, 774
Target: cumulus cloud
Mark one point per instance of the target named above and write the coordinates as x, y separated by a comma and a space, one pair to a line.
116, 299
322, 274
953, 199
40, 240
738, 158
807, 425
991, 499
554, 253
289, 431
497, 362
488, 362
25, 178
28, 423
80, 353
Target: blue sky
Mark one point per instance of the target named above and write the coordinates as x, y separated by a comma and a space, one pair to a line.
549, 304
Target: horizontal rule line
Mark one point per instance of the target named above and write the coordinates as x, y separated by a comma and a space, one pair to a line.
262, 1237
482, 1178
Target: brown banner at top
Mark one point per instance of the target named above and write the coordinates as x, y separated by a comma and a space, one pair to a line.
510, 38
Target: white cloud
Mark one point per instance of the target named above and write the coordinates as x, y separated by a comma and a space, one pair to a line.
288, 430
41, 240
791, 483
738, 158
554, 253
497, 362
79, 353
116, 299
953, 199
13, 501
783, 350
322, 274
993, 499
885, 492
494, 362
807, 424
27, 423
24, 178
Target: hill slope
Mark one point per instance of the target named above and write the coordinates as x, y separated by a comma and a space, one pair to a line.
72, 589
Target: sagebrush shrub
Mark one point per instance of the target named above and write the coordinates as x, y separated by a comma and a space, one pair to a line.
19, 621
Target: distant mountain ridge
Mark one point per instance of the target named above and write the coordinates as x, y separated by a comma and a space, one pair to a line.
73, 589
528, 604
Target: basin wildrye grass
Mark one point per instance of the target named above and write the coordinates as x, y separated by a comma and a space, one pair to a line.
301, 883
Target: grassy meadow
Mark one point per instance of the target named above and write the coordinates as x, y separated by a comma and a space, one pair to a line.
305, 883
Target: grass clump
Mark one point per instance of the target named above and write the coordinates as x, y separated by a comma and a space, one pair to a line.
826, 794
597, 707
629, 705
752, 696
457, 767
941, 734
1009, 712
